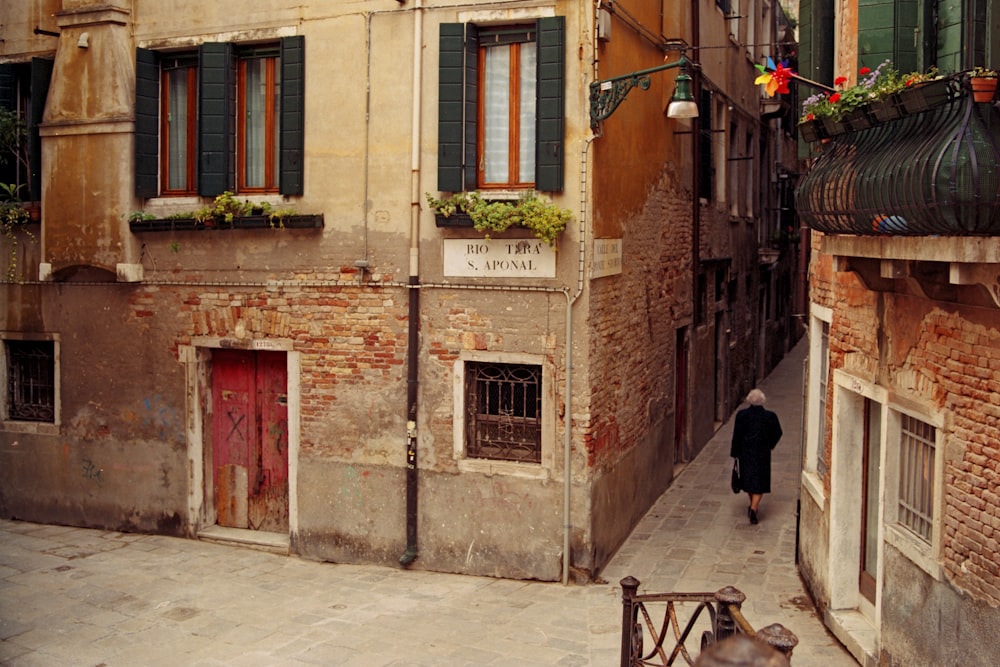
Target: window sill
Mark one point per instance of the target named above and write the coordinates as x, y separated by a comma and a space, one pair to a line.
813, 484
508, 468
915, 550
244, 222
38, 428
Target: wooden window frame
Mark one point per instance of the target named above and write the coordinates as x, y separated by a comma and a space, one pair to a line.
513, 181
192, 132
271, 124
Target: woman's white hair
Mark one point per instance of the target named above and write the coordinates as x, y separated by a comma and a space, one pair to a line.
756, 397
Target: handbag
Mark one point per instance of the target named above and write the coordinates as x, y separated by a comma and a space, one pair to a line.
736, 476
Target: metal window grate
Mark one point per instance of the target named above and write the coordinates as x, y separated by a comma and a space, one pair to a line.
916, 476
824, 372
31, 380
503, 412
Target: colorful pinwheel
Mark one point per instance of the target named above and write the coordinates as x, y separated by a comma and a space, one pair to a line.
774, 77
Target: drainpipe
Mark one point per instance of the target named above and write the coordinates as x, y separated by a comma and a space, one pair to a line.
413, 334
570, 300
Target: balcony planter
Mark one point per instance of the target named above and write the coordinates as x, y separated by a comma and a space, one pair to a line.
885, 110
925, 96
812, 130
858, 120
832, 127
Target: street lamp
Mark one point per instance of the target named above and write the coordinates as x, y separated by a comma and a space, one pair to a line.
606, 95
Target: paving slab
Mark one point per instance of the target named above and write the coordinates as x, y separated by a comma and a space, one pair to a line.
72, 596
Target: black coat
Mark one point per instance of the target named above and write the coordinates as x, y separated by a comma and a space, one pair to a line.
755, 433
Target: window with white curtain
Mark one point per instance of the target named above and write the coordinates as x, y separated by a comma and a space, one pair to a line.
259, 107
508, 80
180, 96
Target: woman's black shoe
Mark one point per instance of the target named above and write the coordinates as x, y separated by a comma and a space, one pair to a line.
753, 517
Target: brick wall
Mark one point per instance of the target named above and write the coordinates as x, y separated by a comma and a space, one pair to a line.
633, 320
948, 355
348, 336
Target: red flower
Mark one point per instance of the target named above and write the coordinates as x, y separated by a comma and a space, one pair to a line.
840, 81
865, 70
810, 116
834, 98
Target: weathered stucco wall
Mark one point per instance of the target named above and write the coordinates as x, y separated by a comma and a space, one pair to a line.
118, 460
926, 623
930, 355
133, 445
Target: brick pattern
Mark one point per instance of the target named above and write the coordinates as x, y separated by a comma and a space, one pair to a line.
633, 320
963, 358
348, 335
949, 356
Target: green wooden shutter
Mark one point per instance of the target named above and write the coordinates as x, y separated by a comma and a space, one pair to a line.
8, 92
450, 106
147, 122
292, 139
41, 76
550, 118
470, 122
216, 106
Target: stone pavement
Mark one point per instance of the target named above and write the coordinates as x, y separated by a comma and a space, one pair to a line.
71, 596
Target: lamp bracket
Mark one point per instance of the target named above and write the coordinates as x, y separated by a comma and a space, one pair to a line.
607, 94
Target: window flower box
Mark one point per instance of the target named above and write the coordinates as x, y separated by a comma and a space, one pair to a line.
544, 218
139, 224
454, 221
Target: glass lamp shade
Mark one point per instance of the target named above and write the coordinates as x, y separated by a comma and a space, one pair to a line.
682, 104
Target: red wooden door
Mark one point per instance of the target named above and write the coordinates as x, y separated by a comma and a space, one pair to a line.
250, 439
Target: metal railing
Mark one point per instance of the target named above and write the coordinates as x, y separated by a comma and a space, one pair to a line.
936, 172
723, 618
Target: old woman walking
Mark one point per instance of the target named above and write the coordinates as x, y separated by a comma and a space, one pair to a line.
755, 433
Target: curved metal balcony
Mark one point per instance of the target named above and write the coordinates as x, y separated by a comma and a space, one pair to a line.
933, 173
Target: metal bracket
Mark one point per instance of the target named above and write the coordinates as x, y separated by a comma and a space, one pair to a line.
606, 95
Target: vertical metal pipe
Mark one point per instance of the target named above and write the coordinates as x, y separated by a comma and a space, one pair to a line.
413, 334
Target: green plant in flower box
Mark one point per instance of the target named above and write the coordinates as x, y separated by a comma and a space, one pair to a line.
543, 217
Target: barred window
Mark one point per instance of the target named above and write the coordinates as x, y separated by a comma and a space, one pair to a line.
31, 380
916, 476
503, 405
